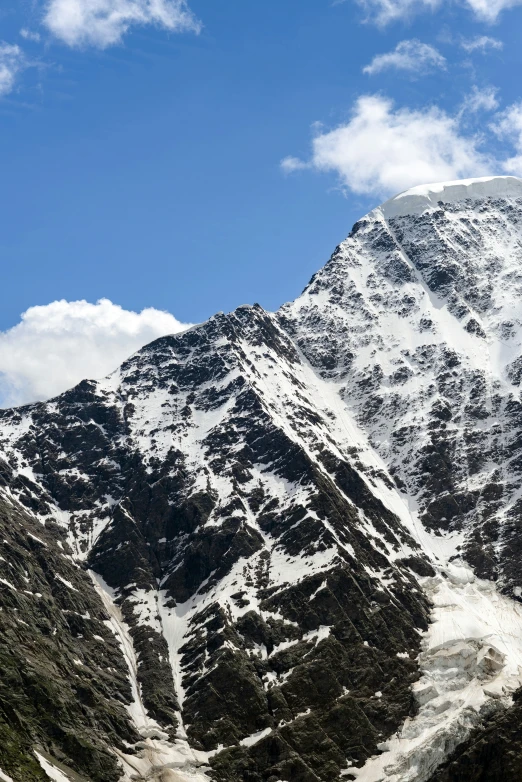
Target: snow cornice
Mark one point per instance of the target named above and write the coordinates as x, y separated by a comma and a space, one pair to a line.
419, 199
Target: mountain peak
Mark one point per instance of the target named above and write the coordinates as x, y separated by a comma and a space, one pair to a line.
417, 199
302, 528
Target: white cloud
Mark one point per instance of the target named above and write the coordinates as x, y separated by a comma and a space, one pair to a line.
56, 345
102, 23
290, 164
383, 150
382, 12
481, 44
12, 61
508, 126
490, 10
484, 99
408, 56
29, 35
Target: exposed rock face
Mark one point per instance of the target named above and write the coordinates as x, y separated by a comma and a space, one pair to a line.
267, 506
63, 682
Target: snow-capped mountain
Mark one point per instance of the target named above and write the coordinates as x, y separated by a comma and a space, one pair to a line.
284, 546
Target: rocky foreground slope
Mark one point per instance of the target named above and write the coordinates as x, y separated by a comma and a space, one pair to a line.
285, 546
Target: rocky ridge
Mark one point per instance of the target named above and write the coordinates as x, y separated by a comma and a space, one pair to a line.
263, 514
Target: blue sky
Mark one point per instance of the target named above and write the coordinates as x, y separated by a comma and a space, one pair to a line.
141, 158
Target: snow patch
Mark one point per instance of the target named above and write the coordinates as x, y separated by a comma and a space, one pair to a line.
52, 772
249, 741
66, 582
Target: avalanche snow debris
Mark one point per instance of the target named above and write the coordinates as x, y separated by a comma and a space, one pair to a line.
471, 663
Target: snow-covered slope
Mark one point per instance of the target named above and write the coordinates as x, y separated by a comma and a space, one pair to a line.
270, 504
417, 321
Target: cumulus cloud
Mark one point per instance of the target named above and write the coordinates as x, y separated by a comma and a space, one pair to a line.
102, 23
56, 345
408, 56
481, 44
382, 12
12, 62
484, 99
383, 149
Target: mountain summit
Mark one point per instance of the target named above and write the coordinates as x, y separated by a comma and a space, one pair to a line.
285, 546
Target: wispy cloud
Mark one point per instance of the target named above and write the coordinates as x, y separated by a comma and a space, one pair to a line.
481, 99
12, 62
490, 10
382, 12
413, 56
482, 43
30, 35
508, 126
102, 23
56, 345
